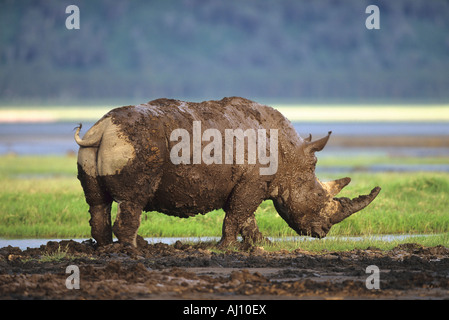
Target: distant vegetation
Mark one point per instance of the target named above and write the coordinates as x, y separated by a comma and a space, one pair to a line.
284, 49
415, 112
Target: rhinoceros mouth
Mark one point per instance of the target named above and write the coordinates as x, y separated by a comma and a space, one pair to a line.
338, 210
335, 210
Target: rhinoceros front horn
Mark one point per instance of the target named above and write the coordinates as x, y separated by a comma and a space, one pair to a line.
346, 206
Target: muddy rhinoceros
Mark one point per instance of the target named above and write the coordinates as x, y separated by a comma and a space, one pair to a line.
184, 158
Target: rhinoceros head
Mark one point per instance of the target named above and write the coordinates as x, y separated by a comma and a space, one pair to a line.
309, 206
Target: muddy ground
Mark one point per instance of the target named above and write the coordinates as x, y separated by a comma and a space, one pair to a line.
185, 271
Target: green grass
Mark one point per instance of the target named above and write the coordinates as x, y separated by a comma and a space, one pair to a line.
345, 244
362, 161
40, 197
57, 255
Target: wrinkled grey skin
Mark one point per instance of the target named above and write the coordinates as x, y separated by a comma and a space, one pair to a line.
124, 157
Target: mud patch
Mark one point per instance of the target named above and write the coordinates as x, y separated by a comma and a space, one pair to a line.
183, 271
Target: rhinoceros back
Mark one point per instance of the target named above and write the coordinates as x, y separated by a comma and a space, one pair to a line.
135, 150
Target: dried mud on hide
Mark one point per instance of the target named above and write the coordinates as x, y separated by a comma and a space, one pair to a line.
181, 271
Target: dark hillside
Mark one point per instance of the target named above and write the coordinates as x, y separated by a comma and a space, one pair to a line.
198, 49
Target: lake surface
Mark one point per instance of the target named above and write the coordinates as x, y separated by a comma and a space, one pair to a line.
57, 137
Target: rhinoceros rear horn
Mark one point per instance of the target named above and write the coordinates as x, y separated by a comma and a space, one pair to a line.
347, 207
317, 145
334, 187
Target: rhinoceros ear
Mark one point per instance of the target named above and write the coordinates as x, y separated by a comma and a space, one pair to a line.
309, 138
317, 145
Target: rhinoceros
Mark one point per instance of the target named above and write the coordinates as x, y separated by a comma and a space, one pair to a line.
134, 156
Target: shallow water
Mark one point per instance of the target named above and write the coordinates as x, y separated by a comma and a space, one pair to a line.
23, 244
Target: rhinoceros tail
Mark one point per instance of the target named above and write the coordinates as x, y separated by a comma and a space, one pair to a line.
92, 138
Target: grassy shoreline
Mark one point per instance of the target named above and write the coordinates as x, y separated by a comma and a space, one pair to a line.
40, 197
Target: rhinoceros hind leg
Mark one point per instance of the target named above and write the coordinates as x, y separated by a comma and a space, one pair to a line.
100, 223
99, 202
127, 222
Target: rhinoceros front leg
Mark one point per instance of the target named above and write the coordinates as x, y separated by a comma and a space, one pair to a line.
239, 218
250, 232
235, 224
